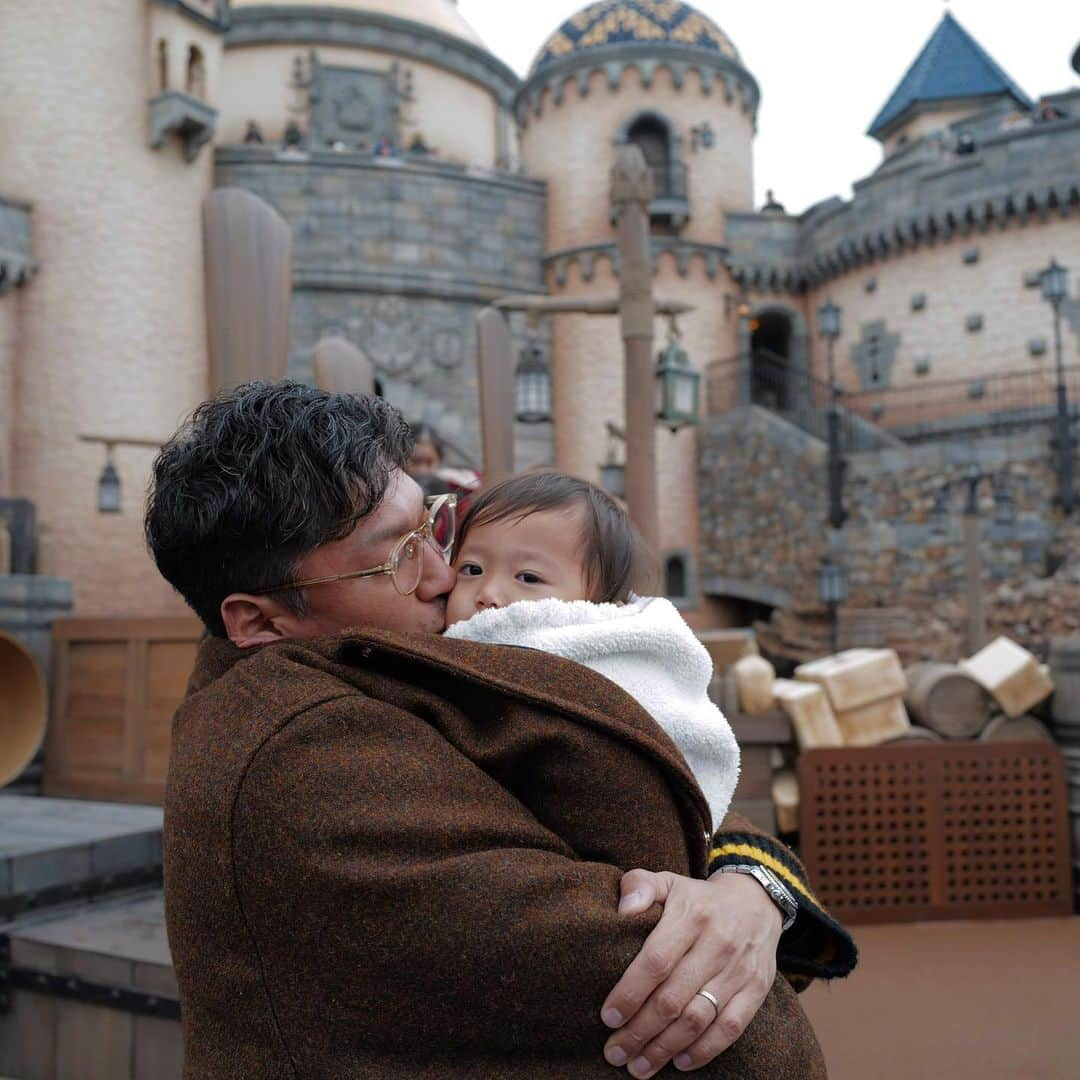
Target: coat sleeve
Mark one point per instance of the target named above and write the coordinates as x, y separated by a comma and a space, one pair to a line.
816, 946
398, 897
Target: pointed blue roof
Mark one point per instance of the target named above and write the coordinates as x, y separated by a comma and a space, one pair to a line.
952, 65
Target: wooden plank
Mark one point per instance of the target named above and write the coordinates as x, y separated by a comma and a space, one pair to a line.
497, 394
162, 628
119, 681
248, 254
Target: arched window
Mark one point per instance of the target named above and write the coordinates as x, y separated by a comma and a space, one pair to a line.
770, 352
162, 66
651, 134
677, 576
196, 73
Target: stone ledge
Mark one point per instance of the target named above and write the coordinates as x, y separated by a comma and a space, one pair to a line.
329, 25
176, 113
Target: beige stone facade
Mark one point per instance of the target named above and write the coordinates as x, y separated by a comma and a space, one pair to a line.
107, 338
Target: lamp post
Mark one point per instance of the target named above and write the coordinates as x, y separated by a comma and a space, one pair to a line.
1004, 514
109, 489
1055, 288
829, 324
833, 592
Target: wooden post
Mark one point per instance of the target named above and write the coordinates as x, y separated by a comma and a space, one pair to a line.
342, 368
497, 400
248, 257
631, 195
976, 635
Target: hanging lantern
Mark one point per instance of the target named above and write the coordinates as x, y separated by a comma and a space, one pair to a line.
532, 380
1055, 282
678, 386
109, 489
832, 583
829, 321
613, 479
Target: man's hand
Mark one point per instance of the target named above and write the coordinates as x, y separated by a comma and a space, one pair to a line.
719, 936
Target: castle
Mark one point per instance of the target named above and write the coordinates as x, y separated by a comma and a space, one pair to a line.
422, 179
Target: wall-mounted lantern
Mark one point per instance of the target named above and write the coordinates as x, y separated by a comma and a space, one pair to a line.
678, 385
532, 384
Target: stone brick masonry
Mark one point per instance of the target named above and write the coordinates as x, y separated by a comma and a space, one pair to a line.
763, 525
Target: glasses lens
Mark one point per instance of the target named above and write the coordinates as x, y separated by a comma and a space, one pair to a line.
408, 564
442, 527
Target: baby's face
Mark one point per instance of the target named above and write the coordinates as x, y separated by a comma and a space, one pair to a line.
536, 558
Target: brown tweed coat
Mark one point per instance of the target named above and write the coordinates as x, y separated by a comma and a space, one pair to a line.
399, 856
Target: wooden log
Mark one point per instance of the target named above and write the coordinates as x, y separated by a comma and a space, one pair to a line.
1011, 674
874, 724
754, 677
915, 734
947, 700
785, 794
810, 712
1018, 729
856, 677
727, 647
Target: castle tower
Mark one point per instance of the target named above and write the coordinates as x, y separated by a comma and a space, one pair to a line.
398, 177
107, 119
665, 77
951, 79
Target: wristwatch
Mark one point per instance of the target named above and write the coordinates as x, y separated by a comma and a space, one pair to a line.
772, 885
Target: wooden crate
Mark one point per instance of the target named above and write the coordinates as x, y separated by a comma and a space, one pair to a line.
936, 831
116, 685
91, 994
758, 737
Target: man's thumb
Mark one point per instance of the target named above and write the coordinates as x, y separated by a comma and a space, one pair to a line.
640, 889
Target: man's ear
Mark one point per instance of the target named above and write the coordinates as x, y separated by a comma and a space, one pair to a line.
251, 620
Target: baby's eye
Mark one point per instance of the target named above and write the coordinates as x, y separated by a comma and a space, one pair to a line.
527, 577
469, 570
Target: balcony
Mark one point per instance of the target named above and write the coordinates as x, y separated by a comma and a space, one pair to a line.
671, 204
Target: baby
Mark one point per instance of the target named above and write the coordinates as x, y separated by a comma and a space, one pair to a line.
549, 562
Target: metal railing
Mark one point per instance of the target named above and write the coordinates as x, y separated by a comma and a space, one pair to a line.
669, 180
923, 412
797, 396
995, 403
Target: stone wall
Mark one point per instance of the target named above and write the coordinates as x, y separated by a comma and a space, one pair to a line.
400, 259
111, 330
763, 522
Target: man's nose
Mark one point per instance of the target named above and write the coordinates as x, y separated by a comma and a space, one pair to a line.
438, 577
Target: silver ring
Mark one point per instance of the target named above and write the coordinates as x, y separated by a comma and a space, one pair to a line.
711, 999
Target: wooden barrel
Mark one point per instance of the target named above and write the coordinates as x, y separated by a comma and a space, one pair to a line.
915, 734
22, 708
1022, 729
1065, 671
945, 699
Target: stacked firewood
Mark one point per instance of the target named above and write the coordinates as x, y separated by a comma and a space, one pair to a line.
865, 697
801, 634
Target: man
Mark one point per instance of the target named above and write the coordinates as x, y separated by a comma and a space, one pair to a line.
361, 877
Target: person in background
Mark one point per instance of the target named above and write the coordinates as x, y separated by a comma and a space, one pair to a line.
427, 467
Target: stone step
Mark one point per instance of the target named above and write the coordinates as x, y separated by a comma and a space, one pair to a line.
92, 984
53, 851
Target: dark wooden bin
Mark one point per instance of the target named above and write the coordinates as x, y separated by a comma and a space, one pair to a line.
936, 831
116, 685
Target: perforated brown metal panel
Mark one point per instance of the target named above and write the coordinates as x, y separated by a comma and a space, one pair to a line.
933, 831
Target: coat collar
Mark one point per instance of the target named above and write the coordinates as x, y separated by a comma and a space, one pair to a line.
527, 675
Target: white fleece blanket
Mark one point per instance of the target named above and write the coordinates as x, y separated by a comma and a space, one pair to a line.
646, 648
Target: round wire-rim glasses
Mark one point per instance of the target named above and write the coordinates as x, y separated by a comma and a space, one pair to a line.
406, 563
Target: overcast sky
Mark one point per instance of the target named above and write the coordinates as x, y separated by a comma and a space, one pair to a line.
826, 67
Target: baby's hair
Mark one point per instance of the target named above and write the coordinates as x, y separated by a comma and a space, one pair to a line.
612, 548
